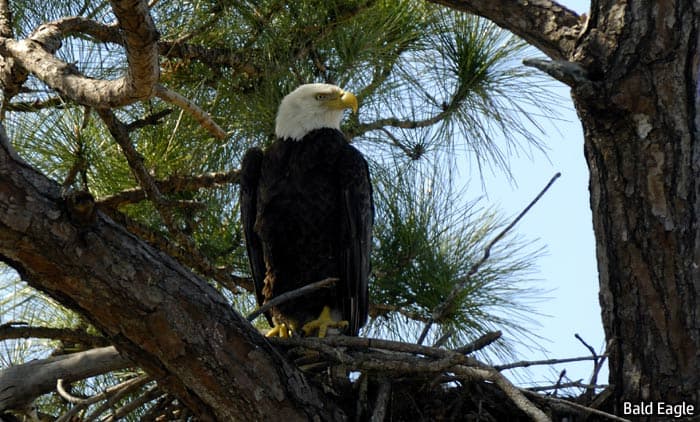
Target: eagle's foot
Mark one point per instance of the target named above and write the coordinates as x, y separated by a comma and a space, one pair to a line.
323, 323
281, 330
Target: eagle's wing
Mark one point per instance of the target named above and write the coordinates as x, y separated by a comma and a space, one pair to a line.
357, 218
249, 179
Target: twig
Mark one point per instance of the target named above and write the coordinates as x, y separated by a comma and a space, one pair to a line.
119, 392
150, 120
442, 308
80, 164
588, 346
120, 133
381, 309
525, 364
597, 365
559, 385
443, 339
61, 390
121, 389
292, 295
479, 343
562, 374
151, 393
190, 107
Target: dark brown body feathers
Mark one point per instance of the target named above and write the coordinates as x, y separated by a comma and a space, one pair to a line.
307, 213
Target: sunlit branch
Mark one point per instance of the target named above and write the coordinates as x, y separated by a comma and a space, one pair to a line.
202, 117
140, 44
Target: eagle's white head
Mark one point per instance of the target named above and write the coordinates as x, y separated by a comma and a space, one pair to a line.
312, 106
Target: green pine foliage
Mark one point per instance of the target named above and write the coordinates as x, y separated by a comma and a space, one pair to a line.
436, 88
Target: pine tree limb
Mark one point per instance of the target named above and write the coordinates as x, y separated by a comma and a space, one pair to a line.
173, 184
201, 116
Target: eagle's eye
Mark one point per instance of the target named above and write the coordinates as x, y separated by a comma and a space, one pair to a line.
322, 97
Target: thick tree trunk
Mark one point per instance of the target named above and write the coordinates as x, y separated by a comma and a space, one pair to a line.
641, 144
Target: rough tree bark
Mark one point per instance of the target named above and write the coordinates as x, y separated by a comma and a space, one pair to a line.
100, 269
633, 69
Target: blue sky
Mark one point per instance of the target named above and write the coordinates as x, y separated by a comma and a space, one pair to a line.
561, 221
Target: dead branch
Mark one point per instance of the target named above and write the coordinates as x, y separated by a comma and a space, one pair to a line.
440, 310
526, 363
65, 395
597, 365
561, 385
151, 393
111, 394
116, 393
479, 343
309, 288
21, 384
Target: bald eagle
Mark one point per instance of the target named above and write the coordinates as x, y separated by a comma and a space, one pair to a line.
307, 215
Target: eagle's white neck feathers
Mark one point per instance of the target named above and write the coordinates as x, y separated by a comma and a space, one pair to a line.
310, 107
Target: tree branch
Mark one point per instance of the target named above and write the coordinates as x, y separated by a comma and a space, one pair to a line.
21, 384
201, 116
302, 291
173, 184
35, 54
16, 330
526, 363
111, 395
546, 24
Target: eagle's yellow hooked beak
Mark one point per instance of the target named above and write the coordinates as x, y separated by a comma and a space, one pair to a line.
346, 100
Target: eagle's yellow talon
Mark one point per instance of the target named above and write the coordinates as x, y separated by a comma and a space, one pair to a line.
280, 330
323, 323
